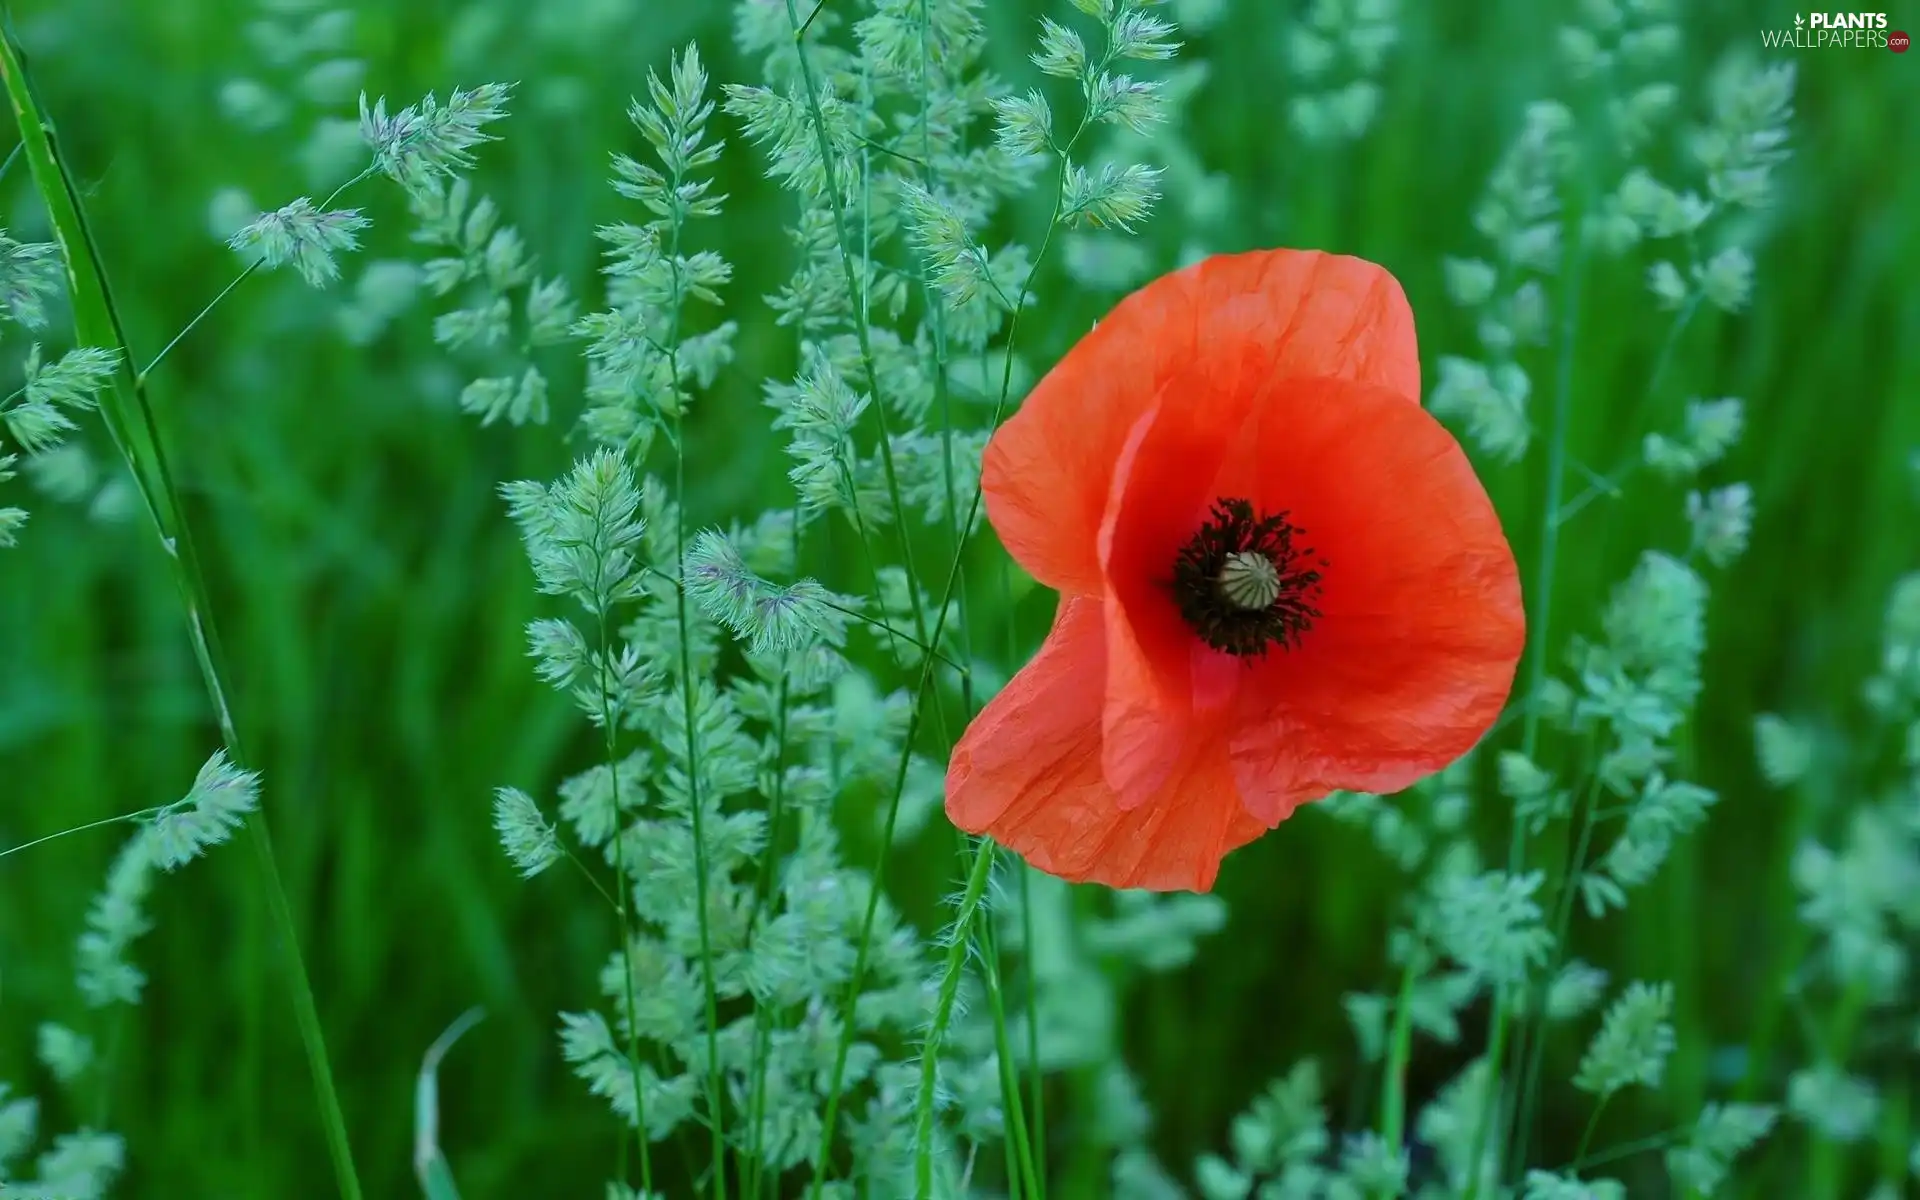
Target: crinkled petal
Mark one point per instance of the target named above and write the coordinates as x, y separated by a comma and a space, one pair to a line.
1163, 688
1315, 315
1193, 336
1422, 625
1027, 773
1147, 712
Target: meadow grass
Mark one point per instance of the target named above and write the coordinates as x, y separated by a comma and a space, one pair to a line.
373, 597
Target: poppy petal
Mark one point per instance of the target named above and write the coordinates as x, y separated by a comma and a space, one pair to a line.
1421, 624
1143, 730
1027, 772
1159, 491
1317, 315
1048, 471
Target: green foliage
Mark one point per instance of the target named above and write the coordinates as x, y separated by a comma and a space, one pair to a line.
1633, 1044
746, 457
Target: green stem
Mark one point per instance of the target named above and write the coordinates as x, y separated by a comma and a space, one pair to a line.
950, 978
701, 883
1490, 1100
102, 823
610, 724
1539, 625
936, 310
198, 317
763, 1017
129, 418
366, 173
1827, 1159
873, 568
1088, 1158
1609, 484
1663, 359
863, 949
1657, 1141
857, 293
1593, 1123
1022, 1164
1020, 1144
965, 674
1035, 1080
1393, 1117
1534, 1051
822, 1159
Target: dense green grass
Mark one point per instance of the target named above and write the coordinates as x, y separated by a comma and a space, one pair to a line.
373, 595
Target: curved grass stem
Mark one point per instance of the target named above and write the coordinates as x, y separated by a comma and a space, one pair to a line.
960, 937
128, 414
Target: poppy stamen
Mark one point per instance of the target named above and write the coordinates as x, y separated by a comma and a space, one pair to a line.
1242, 582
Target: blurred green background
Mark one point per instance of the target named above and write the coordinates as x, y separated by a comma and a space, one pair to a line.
372, 593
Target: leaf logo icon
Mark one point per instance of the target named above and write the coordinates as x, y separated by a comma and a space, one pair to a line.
1798, 20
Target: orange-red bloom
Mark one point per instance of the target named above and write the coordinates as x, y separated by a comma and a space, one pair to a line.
1279, 575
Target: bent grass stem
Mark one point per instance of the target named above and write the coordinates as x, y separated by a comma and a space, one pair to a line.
127, 411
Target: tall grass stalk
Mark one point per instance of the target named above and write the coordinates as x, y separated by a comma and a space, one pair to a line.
931, 640
1023, 1168
715, 1088
1498, 1109
1576, 847
954, 966
960, 939
836, 199
128, 414
623, 906
752, 1155
1393, 1117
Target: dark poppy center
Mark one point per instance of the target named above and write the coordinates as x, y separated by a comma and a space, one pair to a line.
1244, 583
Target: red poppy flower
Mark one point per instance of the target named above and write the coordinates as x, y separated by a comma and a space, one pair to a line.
1279, 575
